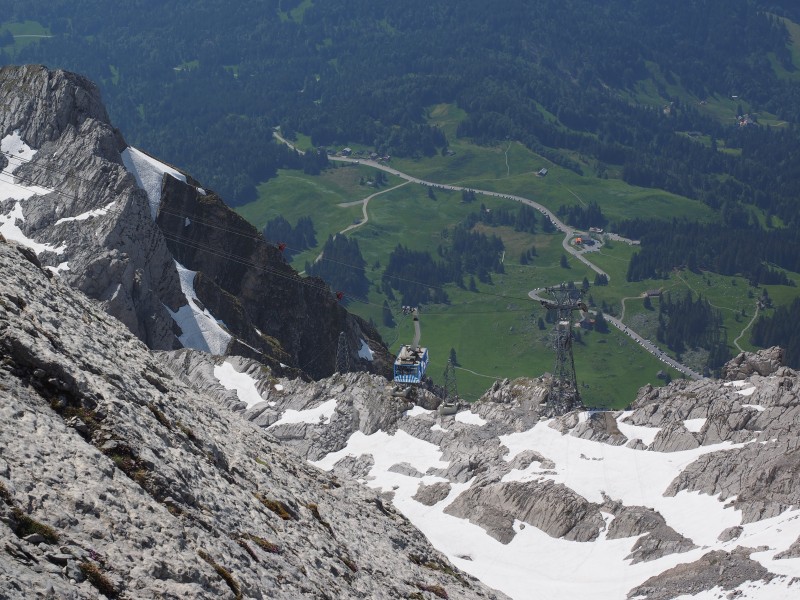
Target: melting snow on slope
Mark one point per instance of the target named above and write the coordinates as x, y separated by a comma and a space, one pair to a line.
417, 410
201, 330
18, 152
750, 590
638, 478
365, 352
319, 414
98, 212
242, 383
754, 407
533, 560
388, 450
148, 173
694, 425
470, 418
632, 432
556, 568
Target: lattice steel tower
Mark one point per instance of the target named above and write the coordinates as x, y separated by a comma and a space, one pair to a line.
450, 388
563, 395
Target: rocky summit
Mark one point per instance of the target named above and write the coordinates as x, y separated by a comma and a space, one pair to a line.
161, 253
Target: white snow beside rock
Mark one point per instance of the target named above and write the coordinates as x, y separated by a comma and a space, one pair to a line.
148, 173
201, 330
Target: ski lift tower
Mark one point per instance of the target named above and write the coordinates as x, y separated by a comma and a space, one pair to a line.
563, 395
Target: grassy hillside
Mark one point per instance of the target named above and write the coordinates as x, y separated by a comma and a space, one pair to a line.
494, 330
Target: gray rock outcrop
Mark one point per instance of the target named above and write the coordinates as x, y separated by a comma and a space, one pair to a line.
726, 570
118, 257
658, 539
551, 507
118, 479
103, 239
764, 362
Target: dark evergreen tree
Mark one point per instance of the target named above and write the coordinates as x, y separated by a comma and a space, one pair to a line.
388, 318
342, 267
453, 358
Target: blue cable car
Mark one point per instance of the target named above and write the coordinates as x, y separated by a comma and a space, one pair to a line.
411, 360
410, 364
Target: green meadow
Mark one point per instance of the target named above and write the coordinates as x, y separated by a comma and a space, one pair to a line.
495, 330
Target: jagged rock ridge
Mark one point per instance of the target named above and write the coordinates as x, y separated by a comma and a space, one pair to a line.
95, 225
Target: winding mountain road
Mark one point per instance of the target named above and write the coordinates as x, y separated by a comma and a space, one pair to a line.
569, 234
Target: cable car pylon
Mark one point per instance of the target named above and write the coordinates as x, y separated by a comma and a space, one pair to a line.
451, 402
563, 395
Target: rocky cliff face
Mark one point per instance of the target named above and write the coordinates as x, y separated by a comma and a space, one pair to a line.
118, 480
247, 282
89, 220
162, 254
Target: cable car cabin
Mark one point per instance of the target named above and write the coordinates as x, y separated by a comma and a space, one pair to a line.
410, 364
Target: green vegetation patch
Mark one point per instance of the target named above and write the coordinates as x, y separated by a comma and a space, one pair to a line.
224, 574
15, 35
98, 579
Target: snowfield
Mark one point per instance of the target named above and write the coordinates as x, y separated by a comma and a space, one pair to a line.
241, 383
201, 330
534, 564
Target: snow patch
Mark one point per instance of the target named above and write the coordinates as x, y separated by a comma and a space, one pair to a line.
365, 352
241, 383
416, 411
278, 387
18, 152
437, 427
737, 383
98, 212
470, 418
694, 425
187, 222
148, 173
321, 414
387, 450
754, 407
746, 392
632, 432
200, 330
64, 266
10, 231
